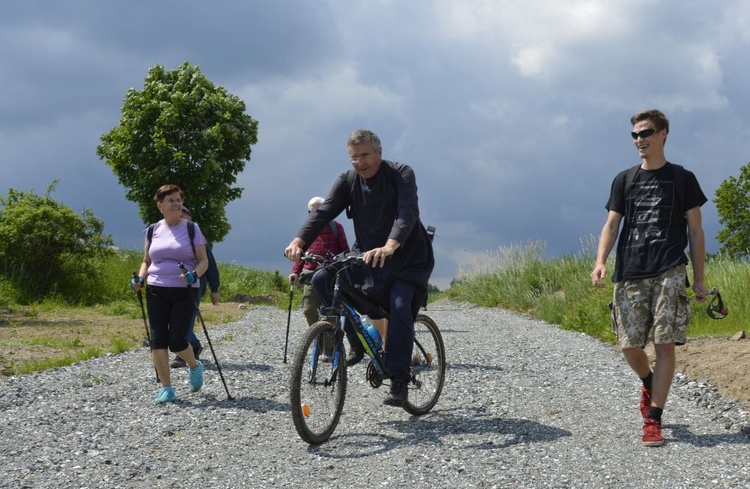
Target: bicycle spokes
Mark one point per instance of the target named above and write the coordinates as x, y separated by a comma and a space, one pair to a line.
427, 369
317, 384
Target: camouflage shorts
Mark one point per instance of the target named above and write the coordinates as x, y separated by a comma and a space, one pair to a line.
654, 307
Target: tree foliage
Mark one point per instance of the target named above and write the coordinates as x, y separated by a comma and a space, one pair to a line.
184, 130
45, 245
733, 205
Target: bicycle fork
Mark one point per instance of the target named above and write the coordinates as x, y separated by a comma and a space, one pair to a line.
319, 348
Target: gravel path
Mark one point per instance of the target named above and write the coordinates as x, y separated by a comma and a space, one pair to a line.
524, 405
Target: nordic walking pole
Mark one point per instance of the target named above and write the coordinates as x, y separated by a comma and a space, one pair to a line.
288, 319
205, 332
145, 323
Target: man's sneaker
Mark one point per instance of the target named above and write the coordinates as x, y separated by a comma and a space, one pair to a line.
195, 377
178, 362
325, 344
326, 355
652, 433
645, 402
325, 358
354, 356
398, 395
166, 394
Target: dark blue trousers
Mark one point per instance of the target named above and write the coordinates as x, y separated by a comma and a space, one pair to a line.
398, 302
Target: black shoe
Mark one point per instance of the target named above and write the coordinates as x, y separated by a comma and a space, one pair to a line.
178, 362
398, 395
354, 357
197, 351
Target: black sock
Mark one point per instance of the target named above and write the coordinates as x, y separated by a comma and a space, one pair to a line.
648, 380
655, 413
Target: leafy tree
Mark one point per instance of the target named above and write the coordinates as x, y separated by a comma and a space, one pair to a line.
45, 245
733, 205
181, 129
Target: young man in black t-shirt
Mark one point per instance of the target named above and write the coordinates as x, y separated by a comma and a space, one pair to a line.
658, 204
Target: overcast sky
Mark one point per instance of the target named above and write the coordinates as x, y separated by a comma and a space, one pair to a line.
514, 115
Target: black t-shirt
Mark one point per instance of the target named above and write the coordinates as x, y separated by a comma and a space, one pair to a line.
654, 231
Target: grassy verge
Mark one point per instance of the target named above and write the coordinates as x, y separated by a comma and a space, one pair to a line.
559, 290
107, 319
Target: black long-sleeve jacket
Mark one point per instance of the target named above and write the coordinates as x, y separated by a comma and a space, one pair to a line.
383, 207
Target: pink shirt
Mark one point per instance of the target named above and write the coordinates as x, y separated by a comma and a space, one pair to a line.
169, 247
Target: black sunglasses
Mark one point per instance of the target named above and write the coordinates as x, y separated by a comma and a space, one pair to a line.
643, 134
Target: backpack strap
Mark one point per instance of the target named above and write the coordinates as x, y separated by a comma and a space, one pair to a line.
680, 175
350, 182
629, 179
150, 233
190, 229
191, 235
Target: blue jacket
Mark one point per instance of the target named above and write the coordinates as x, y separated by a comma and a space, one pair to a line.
212, 274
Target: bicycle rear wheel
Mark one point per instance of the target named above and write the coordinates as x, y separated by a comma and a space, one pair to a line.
318, 383
427, 367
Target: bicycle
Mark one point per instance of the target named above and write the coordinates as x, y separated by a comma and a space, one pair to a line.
319, 376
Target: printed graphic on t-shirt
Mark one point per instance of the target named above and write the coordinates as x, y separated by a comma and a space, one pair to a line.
652, 204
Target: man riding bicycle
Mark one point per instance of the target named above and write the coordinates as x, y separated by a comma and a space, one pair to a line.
381, 198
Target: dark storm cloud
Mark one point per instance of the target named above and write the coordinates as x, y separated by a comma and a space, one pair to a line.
515, 116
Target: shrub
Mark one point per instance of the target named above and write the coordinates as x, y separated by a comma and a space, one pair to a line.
48, 249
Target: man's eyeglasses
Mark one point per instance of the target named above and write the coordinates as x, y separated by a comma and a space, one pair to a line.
642, 134
358, 158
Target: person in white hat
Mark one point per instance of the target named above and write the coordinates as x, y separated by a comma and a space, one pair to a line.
331, 239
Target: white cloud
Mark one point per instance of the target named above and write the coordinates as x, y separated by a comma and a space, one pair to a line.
319, 99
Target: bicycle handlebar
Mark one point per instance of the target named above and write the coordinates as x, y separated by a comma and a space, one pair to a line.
327, 260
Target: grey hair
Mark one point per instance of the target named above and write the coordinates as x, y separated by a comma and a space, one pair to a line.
364, 136
313, 201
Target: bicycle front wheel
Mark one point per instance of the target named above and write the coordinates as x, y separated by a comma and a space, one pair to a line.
427, 367
318, 383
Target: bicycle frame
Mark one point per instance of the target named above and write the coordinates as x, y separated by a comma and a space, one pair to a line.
343, 311
343, 294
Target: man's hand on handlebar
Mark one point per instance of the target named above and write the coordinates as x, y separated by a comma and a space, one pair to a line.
294, 251
377, 256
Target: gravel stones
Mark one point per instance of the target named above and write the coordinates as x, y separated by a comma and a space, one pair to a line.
525, 404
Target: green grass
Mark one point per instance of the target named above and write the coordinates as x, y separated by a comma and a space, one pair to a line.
49, 363
108, 289
45, 343
121, 345
517, 278
239, 282
559, 290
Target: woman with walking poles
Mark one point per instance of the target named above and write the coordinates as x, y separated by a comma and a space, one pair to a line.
170, 301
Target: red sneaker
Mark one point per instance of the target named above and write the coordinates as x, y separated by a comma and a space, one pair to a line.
645, 402
652, 433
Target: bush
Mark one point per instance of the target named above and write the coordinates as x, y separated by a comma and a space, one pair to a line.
47, 249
